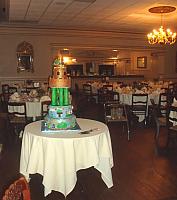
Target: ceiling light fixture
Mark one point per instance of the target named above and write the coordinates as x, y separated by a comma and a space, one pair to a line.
162, 36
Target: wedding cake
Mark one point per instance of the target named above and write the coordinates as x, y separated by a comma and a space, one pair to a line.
60, 116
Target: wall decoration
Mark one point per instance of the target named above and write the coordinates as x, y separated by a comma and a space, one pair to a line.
142, 62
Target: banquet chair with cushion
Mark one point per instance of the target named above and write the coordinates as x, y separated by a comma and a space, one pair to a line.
172, 126
17, 117
44, 108
139, 106
18, 190
116, 112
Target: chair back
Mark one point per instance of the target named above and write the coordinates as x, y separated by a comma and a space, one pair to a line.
155, 111
139, 104
105, 95
139, 99
44, 108
113, 110
108, 87
5, 88
5, 93
163, 102
18, 190
87, 89
172, 116
17, 109
116, 112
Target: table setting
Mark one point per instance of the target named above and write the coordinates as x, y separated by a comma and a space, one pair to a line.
32, 100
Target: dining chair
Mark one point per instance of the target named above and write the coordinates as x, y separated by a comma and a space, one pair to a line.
105, 95
5, 95
108, 87
87, 91
172, 126
5, 88
163, 101
18, 190
116, 112
17, 117
44, 108
159, 120
139, 106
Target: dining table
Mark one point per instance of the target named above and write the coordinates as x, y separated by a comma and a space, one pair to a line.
33, 105
58, 155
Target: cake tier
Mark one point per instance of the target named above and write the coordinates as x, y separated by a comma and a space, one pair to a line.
59, 112
60, 123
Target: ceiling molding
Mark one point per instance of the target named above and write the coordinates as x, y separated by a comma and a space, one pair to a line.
68, 32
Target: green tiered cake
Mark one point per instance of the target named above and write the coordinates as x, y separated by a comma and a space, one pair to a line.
60, 116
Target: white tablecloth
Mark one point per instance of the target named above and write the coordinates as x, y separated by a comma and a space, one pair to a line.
58, 156
33, 109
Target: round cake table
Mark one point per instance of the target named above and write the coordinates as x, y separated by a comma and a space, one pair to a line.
58, 156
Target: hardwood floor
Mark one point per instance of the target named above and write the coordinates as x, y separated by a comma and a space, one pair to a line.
139, 173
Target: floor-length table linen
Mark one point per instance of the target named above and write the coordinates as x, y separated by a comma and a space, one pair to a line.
57, 157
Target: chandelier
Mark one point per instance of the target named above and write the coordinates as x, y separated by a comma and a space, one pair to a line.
162, 36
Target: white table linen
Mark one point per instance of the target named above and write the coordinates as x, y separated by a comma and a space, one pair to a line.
33, 109
58, 156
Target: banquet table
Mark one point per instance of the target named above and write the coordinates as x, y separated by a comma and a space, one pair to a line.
58, 156
33, 109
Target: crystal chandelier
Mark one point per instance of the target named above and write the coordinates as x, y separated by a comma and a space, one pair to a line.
162, 36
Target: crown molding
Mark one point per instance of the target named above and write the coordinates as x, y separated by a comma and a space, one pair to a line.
68, 32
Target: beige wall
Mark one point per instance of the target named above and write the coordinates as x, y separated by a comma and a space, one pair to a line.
44, 41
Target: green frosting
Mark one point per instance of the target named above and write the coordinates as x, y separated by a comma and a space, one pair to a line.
58, 61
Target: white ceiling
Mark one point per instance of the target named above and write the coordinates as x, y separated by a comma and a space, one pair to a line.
113, 15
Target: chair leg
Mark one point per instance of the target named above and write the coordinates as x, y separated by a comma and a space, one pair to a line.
157, 132
128, 131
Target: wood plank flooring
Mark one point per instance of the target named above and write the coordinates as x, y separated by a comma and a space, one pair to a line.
139, 173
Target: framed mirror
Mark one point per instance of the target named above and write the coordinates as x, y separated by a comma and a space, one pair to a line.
25, 57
